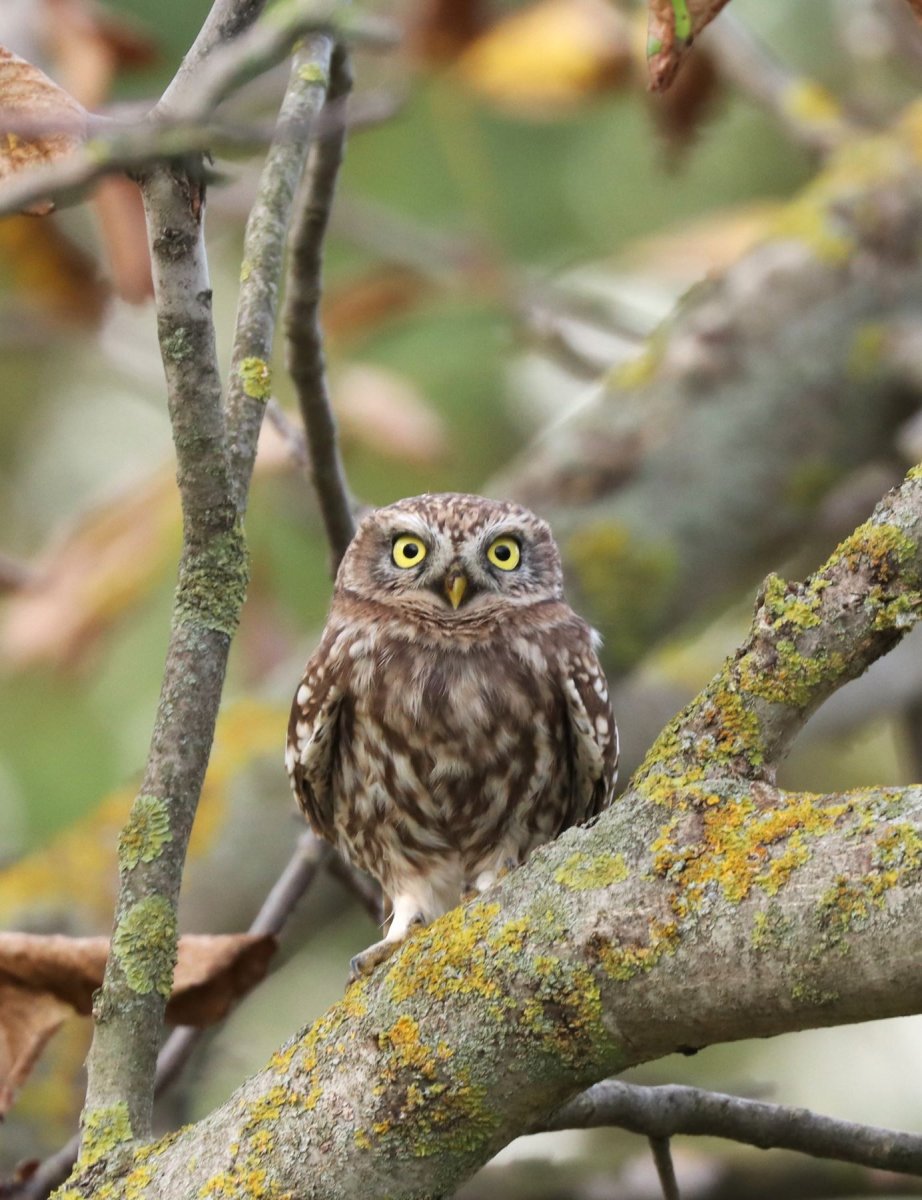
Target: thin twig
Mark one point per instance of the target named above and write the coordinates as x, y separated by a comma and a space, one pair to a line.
306, 359
662, 1112
665, 1168
183, 126
810, 114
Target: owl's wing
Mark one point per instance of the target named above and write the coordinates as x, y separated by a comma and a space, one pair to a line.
311, 737
593, 732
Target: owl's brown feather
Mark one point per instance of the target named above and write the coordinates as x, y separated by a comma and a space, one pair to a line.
435, 747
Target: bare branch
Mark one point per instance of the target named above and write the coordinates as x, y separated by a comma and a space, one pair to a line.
665, 1169
665, 1111
302, 324
226, 21
810, 114
263, 250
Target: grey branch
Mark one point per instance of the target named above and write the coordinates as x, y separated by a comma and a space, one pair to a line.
263, 254
303, 333
665, 1111
809, 113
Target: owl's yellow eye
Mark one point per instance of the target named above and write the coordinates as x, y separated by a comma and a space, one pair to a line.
504, 553
408, 551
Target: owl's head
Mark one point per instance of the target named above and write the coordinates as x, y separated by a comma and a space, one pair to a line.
453, 555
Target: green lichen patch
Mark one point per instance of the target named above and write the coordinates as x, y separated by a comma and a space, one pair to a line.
256, 378
145, 834
103, 1130
791, 678
883, 548
628, 584
313, 73
145, 945
454, 957
178, 346
790, 606
581, 874
718, 735
213, 582
770, 928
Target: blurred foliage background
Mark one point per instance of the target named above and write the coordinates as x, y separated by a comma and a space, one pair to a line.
515, 211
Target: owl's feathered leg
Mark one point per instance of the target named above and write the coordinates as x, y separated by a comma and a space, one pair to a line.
406, 918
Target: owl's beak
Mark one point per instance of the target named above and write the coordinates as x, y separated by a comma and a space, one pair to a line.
455, 587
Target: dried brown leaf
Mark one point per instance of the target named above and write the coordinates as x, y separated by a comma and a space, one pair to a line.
673, 26
362, 305
45, 978
384, 411
39, 122
438, 30
53, 281
87, 580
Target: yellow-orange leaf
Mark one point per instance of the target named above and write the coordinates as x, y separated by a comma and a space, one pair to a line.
551, 54
45, 978
39, 121
673, 26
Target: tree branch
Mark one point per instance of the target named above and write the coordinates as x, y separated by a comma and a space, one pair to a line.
302, 323
722, 437
665, 1111
810, 114
263, 251
706, 905
210, 591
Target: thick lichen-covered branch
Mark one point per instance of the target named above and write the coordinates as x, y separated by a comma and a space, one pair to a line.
706, 905
702, 462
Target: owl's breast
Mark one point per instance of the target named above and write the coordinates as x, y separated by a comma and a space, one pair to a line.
455, 748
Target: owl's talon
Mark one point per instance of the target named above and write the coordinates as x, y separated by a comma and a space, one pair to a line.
379, 952
469, 894
364, 963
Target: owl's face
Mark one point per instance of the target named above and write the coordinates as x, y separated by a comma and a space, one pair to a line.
453, 556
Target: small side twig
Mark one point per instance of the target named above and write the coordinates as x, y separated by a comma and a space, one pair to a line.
306, 359
665, 1168
810, 114
660, 1113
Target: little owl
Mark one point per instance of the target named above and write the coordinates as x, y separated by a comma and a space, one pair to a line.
454, 715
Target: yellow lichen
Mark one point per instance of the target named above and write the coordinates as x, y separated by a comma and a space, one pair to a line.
729, 845
623, 961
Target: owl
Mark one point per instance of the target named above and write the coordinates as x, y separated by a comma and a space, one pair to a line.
454, 715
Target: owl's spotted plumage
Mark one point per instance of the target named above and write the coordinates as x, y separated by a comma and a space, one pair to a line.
454, 715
